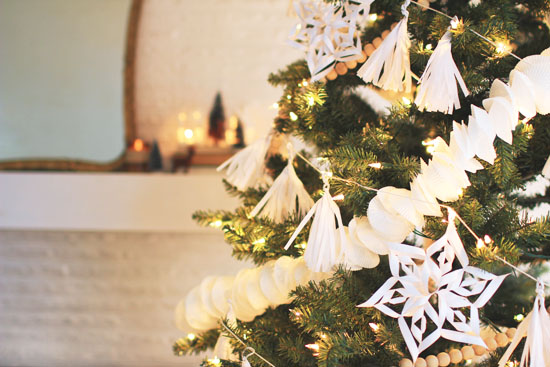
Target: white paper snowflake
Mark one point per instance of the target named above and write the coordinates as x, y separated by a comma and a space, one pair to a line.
327, 33
432, 292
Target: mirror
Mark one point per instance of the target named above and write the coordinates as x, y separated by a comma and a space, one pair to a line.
66, 83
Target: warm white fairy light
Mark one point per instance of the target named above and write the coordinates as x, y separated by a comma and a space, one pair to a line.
338, 197
406, 101
313, 347
501, 48
376, 165
259, 241
217, 224
305, 83
487, 239
215, 361
429, 46
375, 327
519, 317
373, 17
293, 116
310, 101
191, 336
288, 96
455, 23
480, 244
275, 105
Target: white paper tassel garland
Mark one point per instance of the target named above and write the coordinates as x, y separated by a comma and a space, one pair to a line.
536, 328
323, 249
389, 66
438, 90
286, 196
247, 168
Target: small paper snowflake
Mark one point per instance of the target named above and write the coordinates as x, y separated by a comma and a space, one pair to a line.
327, 33
431, 291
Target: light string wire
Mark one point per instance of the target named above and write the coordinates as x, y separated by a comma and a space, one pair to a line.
423, 201
252, 350
468, 28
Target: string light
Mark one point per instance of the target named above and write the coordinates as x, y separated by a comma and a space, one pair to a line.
519, 317
217, 224
374, 327
338, 197
373, 17
480, 244
501, 48
406, 101
376, 165
288, 96
313, 347
429, 46
275, 105
293, 116
455, 23
215, 361
487, 239
260, 241
310, 101
191, 337
305, 83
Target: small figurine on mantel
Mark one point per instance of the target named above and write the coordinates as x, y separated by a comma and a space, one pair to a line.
155, 158
216, 122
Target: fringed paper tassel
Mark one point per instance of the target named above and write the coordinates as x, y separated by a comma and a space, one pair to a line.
286, 196
437, 90
393, 57
323, 249
247, 168
536, 328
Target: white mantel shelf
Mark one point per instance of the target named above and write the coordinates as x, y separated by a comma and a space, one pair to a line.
109, 201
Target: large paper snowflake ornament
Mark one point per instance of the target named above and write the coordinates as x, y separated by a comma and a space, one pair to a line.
327, 33
433, 289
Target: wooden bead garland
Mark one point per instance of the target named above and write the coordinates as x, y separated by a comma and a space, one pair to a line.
467, 352
341, 68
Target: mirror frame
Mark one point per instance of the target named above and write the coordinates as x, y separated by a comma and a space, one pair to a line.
129, 112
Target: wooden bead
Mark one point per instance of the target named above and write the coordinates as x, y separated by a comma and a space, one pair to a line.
332, 75
479, 350
351, 64
491, 344
467, 352
369, 49
341, 68
363, 57
405, 363
456, 355
377, 42
420, 362
501, 339
393, 26
432, 361
385, 34
511, 332
444, 359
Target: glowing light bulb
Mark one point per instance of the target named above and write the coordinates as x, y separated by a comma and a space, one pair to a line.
373, 17
376, 165
288, 96
480, 243
259, 241
314, 347
275, 105
293, 116
454, 23
191, 336
406, 101
429, 46
305, 83
138, 145
188, 133
215, 361
519, 317
338, 197
310, 101
374, 327
501, 48
217, 224
430, 149
487, 239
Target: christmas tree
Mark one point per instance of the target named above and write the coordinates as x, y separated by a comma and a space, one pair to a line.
413, 215
216, 121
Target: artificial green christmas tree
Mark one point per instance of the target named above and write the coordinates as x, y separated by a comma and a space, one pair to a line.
391, 200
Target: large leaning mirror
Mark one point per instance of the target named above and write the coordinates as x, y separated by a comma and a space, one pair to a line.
66, 83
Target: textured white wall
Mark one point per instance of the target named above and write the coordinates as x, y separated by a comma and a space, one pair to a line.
99, 299
188, 50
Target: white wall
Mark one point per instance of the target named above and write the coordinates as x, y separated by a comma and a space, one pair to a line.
61, 74
189, 50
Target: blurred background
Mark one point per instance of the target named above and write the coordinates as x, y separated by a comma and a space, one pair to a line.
103, 104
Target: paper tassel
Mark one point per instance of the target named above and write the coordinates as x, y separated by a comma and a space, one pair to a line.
393, 57
247, 168
286, 196
546, 168
322, 250
438, 90
536, 328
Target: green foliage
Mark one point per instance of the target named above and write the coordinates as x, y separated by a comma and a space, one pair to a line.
376, 151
